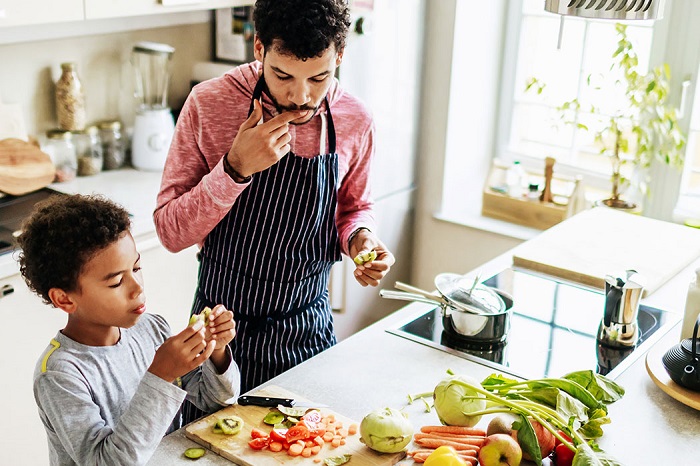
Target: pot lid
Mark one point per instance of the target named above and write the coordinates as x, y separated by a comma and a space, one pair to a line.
476, 297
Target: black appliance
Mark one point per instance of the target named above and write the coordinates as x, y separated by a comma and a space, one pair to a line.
553, 329
13, 211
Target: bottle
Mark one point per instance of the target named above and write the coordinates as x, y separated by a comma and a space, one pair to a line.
113, 147
62, 152
515, 177
70, 100
692, 307
533, 192
88, 147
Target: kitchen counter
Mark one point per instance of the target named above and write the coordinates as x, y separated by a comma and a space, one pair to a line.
135, 190
373, 369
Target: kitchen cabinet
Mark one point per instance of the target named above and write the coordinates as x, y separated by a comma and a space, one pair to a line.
95, 9
26, 12
28, 325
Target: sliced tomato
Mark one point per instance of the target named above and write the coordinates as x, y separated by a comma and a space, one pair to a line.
259, 443
312, 416
297, 433
278, 435
318, 432
258, 433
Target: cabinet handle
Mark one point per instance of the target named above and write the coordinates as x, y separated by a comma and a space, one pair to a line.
6, 289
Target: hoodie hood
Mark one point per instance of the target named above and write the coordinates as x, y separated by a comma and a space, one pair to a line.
245, 77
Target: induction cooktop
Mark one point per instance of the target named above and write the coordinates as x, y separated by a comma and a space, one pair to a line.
553, 329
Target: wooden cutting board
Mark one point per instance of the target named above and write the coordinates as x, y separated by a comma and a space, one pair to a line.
236, 449
23, 167
601, 241
658, 374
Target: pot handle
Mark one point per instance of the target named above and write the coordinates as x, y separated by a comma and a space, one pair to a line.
412, 289
390, 294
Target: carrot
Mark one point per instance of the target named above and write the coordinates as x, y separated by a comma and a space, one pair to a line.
435, 443
420, 450
352, 429
467, 440
443, 435
328, 436
319, 441
309, 443
295, 449
338, 425
315, 450
453, 430
343, 432
317, 460
331, 418
335, 443
275, 446
306, 452
342, 441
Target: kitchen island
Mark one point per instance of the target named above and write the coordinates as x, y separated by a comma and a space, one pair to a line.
374, 369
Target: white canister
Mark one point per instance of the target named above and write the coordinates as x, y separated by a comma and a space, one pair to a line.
692, 307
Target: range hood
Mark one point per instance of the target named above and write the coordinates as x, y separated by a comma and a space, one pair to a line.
619, 10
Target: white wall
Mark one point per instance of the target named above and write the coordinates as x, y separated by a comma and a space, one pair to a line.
28, 71
459, 103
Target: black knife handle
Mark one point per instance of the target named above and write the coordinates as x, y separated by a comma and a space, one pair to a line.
266, 401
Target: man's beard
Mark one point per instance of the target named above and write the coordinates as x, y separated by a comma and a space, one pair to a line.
291, 108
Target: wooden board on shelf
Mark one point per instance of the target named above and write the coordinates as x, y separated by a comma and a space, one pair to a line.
601, 241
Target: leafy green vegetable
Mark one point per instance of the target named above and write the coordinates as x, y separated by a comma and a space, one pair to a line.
585, 456
337, 460
527, 438
453, 398
600, 387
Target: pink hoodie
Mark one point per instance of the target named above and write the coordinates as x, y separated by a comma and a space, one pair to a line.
196, 193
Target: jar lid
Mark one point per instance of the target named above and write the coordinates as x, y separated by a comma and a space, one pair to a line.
110, 124
59, 134
68, 66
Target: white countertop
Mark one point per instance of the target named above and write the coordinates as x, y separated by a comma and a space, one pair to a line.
134, 189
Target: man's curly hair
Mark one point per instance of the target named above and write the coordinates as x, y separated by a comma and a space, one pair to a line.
61, 236
304, 28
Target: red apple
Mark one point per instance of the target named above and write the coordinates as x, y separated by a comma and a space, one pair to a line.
500, 450
545, 439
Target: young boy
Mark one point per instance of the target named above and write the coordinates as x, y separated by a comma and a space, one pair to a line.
111, 382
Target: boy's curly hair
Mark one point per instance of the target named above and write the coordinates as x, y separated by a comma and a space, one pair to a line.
62, 234
304, 28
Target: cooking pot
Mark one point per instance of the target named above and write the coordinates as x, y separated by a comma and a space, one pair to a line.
471, 311
682, 361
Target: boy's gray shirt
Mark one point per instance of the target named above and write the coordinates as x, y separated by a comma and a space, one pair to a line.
100, 405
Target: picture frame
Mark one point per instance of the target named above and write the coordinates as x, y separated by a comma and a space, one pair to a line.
233, 34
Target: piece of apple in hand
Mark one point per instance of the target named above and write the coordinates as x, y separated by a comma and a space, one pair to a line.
500, 450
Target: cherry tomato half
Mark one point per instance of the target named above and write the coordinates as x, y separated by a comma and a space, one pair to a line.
259, 443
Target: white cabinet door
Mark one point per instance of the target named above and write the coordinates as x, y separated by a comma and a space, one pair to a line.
27, 327
95, 9
24, 12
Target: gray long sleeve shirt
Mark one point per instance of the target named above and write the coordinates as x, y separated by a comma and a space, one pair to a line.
100, 405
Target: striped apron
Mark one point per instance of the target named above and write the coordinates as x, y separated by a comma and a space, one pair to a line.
269, 259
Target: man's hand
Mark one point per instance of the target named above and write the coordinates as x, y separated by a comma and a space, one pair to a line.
181, 353
258, 147
370, 273
221, 330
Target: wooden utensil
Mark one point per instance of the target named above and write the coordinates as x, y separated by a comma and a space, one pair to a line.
23, 167
548, 173
236, 449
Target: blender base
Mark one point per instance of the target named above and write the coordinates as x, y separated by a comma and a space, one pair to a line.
153, 132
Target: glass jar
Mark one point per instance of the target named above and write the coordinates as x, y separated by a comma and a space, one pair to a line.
70, 100
62, 152
113, 147
88, 147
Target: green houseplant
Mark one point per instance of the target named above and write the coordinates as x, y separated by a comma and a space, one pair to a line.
644, 128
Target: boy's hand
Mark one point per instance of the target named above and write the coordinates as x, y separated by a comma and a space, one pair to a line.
221, 330
181, 353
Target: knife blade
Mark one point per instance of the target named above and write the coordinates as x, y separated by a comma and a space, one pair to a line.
271, 402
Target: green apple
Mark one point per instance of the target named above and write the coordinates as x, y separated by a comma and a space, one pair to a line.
500, 450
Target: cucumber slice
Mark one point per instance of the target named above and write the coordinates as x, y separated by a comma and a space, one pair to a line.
194, 453
229, 425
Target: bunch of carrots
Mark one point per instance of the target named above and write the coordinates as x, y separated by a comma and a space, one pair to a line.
306, 438
465, 440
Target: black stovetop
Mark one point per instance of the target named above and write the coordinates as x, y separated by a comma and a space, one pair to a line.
553, 330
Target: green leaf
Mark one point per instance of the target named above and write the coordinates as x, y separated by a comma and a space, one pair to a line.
337, 460
528, 439
601, 387
593, 427
585, 456
495, 380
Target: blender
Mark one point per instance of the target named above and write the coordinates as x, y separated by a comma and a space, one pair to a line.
153, 124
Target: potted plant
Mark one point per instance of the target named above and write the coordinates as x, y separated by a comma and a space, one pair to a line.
643, 129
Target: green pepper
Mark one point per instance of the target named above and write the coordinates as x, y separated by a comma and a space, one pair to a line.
444, 456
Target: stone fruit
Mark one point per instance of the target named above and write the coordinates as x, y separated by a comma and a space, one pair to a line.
544, 438
500, 450
501, 424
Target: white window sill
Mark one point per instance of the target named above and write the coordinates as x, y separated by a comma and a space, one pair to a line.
470, 216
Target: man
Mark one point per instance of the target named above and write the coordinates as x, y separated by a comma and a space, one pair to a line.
268, 172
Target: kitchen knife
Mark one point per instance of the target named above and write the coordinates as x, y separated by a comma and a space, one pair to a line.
271, 402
